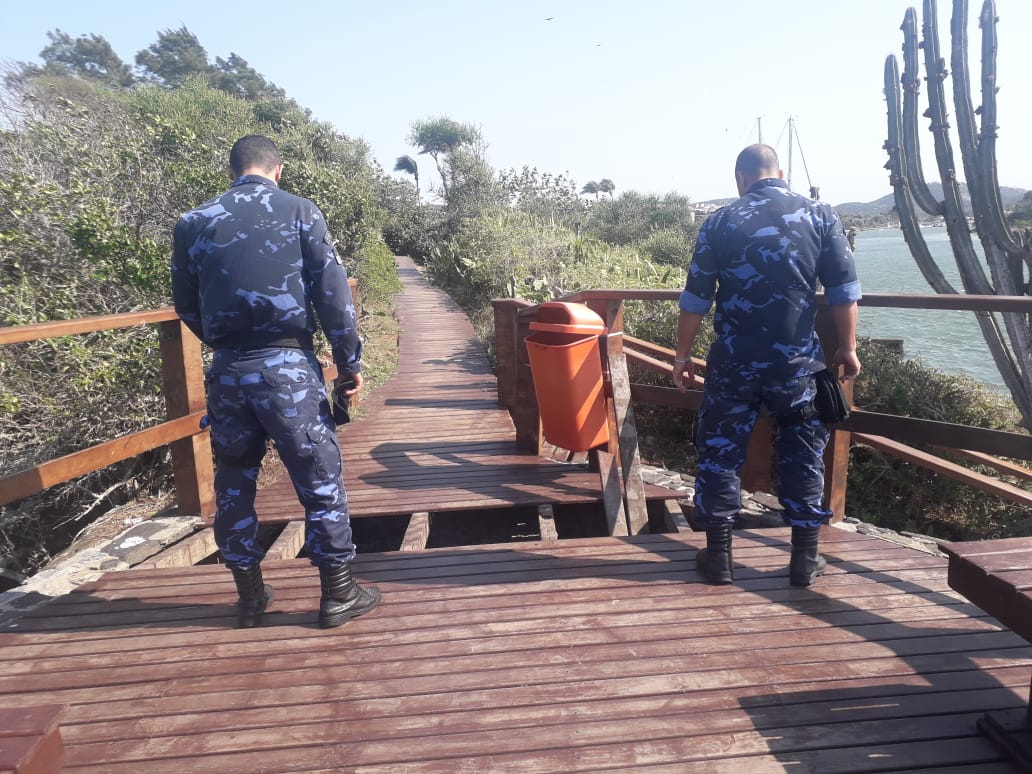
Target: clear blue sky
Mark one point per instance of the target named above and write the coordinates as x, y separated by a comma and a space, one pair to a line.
657, 95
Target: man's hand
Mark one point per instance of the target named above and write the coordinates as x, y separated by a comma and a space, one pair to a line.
683, 374
348, 377
849, 361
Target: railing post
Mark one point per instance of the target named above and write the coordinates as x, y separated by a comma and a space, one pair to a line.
505, 310
183, 381
836, 455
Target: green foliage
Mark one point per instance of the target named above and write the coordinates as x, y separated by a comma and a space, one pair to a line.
552, 199
92, 181
88, 56
174, 57
411, 228
670, 245
893, 494
440, 137
1021, 215
377, 274
634, 218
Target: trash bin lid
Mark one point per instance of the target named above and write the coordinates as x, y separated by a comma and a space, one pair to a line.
564, 317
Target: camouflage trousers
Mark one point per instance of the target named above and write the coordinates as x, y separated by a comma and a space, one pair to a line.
277, 394
728, 413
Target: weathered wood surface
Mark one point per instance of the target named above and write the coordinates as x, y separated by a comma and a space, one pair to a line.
30, 739
434, 437
997, 576
603, 653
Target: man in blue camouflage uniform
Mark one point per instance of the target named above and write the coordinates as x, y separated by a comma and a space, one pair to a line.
251, 271
762, 258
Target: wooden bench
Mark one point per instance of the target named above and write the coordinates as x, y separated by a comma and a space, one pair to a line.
30, 740
996, 575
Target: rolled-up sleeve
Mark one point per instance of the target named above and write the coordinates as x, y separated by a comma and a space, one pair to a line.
836, 266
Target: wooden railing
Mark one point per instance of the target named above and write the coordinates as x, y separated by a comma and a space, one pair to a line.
183, 385
182, 372
890, 433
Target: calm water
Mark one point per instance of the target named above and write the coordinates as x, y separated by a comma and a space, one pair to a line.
947, 341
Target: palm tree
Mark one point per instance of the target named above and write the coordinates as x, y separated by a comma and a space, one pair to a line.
408, 164
591, 187
605, 185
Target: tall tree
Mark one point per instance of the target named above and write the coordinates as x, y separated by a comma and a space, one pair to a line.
235, 76
175, 56
408, 165
591, 187
87, 56
438, 137
605, 185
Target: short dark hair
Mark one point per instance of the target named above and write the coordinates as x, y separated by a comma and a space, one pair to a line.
757, 160
254, 150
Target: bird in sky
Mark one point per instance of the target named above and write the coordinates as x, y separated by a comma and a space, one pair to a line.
549, 18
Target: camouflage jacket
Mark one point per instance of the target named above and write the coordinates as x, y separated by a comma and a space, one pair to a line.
255, 266
762, 257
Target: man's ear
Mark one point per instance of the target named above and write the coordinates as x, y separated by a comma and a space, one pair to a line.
230, 174
277, 172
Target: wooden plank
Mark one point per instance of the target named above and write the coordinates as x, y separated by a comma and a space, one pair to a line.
186, 552
546, 522
1004, 466
612, 497
627, 437
30, 739
959, 301
926, 431
182, 376
21, 333
33, 480
756, 473
417, 533
289, 542
674, 518
947, 468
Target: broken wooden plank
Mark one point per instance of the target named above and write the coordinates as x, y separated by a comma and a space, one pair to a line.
417, 533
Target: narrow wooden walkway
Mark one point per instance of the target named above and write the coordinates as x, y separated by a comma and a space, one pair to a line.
604, 654
434, 438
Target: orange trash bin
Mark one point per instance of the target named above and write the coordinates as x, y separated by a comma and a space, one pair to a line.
566, 366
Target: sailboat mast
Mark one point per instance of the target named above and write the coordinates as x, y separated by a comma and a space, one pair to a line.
759, 129
791, 131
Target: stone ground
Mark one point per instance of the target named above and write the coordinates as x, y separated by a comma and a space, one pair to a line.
133, 533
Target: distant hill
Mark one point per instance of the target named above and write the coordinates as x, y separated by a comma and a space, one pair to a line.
1009, 196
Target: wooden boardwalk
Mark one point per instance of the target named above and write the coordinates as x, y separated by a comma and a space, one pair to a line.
434, 438
597, 654
601, 654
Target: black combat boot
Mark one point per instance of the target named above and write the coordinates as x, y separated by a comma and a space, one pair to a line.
714, 561
255, 596
806, 564
342, 598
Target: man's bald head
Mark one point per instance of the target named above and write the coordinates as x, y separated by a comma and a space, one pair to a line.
756, 162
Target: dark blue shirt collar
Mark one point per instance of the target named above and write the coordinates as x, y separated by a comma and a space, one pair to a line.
766, 182
245, 179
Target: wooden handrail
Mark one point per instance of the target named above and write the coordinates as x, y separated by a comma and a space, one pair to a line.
183, 381
32, 480
974, 443
21, 333
942, 301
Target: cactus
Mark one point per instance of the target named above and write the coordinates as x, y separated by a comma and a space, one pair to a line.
1007, 252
